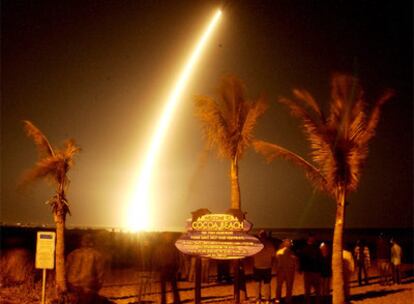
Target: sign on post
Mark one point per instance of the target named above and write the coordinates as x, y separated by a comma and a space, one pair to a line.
219, 236
222, 236
45, 250
45, 255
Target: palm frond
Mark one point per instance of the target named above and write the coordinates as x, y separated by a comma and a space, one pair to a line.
323, 154
315, 130
355, 115
355, 159
310, 124
44, 168
309, 100
70, 149
375, 115
345, 92
357, 127
232, 93
214, 126
42, 144
362, 131
256, 110
272, 151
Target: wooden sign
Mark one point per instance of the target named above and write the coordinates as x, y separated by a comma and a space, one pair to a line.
219, 236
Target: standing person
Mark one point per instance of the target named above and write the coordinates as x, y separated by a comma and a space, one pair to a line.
262, 267
85, 271
362, 260
167, 260
310, 264
326, 272
396, 255
383, 260
349, 267
285, 270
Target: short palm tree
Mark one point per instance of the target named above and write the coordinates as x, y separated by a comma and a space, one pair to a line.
54, 165
227, 123
339, 147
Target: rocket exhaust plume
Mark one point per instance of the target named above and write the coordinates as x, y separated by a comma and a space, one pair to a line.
139, 211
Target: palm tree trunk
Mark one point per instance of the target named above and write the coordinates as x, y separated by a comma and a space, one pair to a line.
61, 287
338, 295
235, 187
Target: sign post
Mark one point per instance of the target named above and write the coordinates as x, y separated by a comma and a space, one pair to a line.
221, 237
197, 289
45, 255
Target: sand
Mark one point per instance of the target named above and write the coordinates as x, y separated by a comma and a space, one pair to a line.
127, 287
373, 293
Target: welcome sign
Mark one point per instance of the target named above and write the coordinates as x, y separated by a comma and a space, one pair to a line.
219, 222
219, 236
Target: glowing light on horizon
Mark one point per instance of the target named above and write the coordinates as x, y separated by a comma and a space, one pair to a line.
139, 212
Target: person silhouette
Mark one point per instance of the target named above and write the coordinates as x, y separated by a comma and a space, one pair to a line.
286, 262
262, 267
310, 264
383, 260
362, 260
85, 269
396, 255
167, 259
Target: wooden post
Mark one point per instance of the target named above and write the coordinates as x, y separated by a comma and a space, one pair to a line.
43, 285
237, 282
197, 289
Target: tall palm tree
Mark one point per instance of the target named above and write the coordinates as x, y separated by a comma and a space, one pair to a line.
227, 124
53, 165
339, 147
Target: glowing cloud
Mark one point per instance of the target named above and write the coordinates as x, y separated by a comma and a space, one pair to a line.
139, 212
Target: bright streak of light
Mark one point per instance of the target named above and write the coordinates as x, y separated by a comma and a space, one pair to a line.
139, 212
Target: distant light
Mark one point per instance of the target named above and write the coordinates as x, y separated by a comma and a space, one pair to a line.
139, 213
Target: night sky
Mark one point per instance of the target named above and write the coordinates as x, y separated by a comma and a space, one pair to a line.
101, 71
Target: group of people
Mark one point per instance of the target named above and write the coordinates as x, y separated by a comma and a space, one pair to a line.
85, 268
389, 255
314, 261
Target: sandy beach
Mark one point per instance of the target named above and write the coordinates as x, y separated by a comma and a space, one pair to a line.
128, 287
373, 293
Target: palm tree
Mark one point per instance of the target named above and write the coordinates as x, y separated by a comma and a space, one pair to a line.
227, 124
53, 165
339, 148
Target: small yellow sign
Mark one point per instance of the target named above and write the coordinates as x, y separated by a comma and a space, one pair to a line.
45, 250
